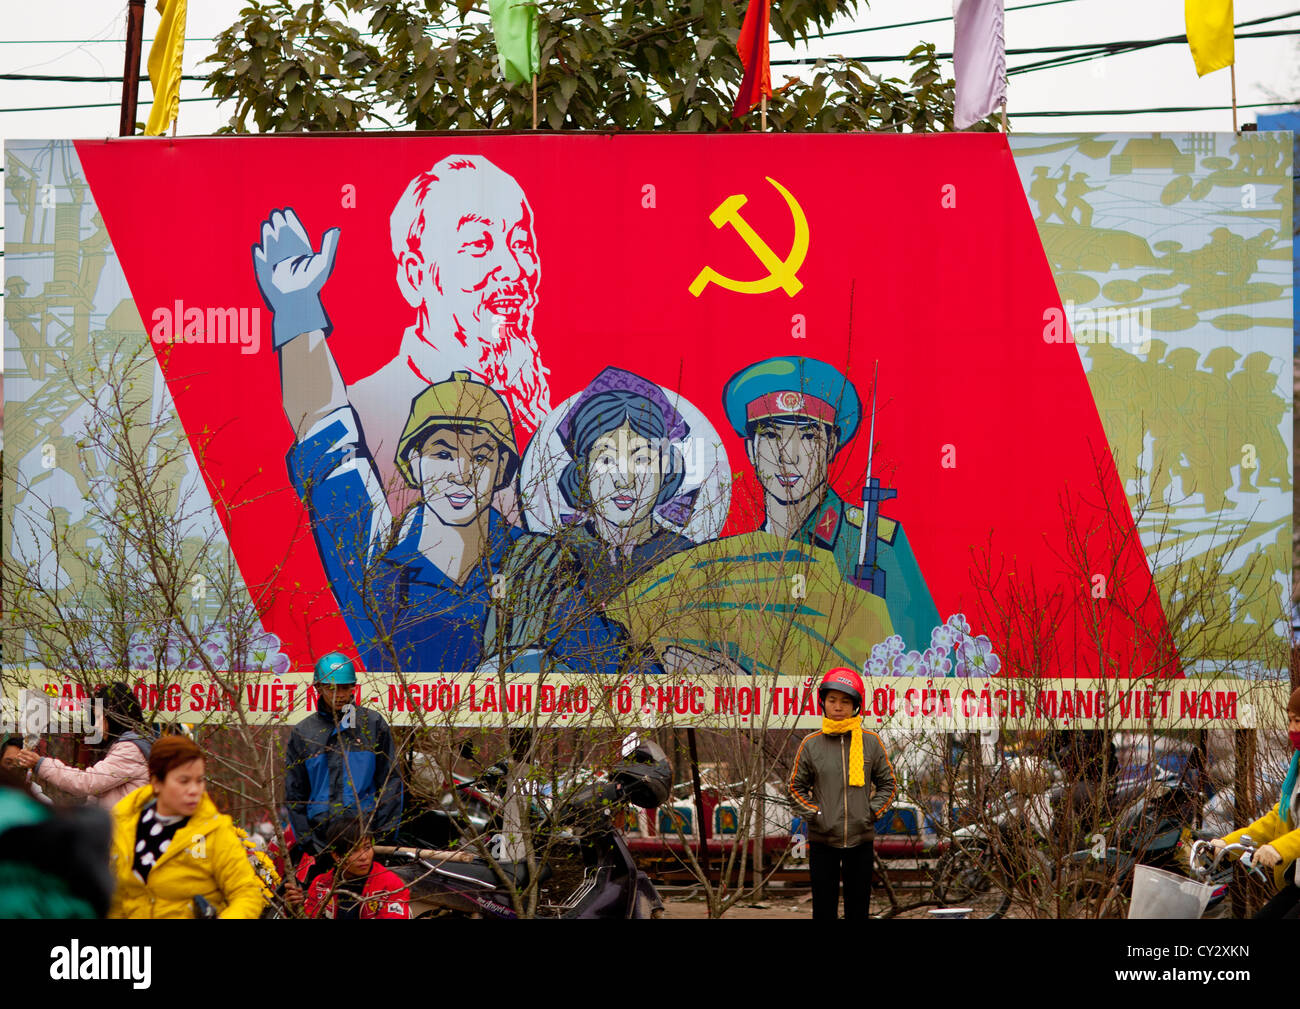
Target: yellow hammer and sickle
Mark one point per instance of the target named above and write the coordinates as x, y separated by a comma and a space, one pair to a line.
780, 272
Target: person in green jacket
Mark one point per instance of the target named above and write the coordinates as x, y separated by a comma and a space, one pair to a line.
842, 782
1280, 828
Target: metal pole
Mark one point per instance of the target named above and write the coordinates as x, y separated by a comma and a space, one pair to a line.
1232, 67
1243, 794
760, 824
699, 801
131, 71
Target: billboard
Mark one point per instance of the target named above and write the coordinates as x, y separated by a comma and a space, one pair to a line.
704, 408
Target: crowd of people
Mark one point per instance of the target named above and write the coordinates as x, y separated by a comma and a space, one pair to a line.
143, 838
148, 841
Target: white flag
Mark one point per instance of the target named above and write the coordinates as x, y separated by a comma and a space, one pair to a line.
979, 56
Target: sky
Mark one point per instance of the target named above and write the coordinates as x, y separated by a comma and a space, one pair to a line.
45, 38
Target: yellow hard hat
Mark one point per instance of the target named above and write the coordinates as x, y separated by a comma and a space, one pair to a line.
458, 402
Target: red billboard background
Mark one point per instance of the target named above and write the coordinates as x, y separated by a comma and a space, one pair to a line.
933, 233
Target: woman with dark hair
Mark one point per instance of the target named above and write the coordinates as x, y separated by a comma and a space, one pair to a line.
125, 765
622, 478
174, 855
623, 469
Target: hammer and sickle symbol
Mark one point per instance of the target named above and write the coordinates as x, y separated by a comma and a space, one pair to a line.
780, 272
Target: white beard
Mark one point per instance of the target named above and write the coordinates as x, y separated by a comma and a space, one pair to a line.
506, 359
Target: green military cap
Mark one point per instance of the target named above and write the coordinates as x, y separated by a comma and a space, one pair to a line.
458, 402
792, 387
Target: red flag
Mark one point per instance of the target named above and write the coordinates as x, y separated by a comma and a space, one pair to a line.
753, 49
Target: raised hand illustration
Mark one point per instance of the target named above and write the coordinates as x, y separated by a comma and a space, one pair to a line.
290, 275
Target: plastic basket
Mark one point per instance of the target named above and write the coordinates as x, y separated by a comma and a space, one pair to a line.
1161, 894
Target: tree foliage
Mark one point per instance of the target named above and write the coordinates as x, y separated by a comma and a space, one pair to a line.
338, 65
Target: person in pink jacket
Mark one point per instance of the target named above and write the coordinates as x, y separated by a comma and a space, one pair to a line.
125, 766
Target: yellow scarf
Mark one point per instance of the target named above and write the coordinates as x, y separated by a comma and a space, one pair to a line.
857, 771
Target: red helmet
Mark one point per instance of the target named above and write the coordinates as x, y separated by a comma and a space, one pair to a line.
846, 681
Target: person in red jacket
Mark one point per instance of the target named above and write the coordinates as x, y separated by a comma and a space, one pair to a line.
359, 888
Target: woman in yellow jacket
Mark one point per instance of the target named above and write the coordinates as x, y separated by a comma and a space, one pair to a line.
1280, 828
171, 846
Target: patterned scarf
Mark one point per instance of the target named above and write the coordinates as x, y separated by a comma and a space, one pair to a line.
153, 836
857, 770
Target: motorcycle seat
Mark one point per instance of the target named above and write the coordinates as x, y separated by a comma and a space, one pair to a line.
479, 870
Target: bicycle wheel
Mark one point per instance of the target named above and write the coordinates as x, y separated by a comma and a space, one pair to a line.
1090, 892
971, 877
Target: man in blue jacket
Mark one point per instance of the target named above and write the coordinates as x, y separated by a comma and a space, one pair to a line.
340, 764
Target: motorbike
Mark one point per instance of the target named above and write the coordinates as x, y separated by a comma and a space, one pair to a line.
1096, 881
588, 870
1000, 853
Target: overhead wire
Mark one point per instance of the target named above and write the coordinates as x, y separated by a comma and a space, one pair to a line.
1066, 112
1062, 55
845, 31
1065, 56
1088, 50
911, 24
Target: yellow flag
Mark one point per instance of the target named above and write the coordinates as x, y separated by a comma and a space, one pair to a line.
1209, 33
165, 66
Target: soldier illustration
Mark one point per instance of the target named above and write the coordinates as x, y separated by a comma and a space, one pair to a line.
414, 597
1113, 380
1224, 432
1253, 392
1161, 421
1219, 271
1248, 151
1219, 362
795, 414
1075, 190
1042, 190
1201, 420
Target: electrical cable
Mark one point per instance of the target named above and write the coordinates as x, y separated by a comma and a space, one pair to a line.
910, 24
97, 105
1088, 50
1159, 109
1066, 56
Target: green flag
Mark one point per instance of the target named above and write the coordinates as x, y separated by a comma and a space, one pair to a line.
514, 23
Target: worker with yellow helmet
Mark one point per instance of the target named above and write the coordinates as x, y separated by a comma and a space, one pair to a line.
414, 592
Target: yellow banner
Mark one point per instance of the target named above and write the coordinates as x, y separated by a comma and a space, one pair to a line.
556, 701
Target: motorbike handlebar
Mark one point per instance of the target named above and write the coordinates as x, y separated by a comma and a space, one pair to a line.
1243, 849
